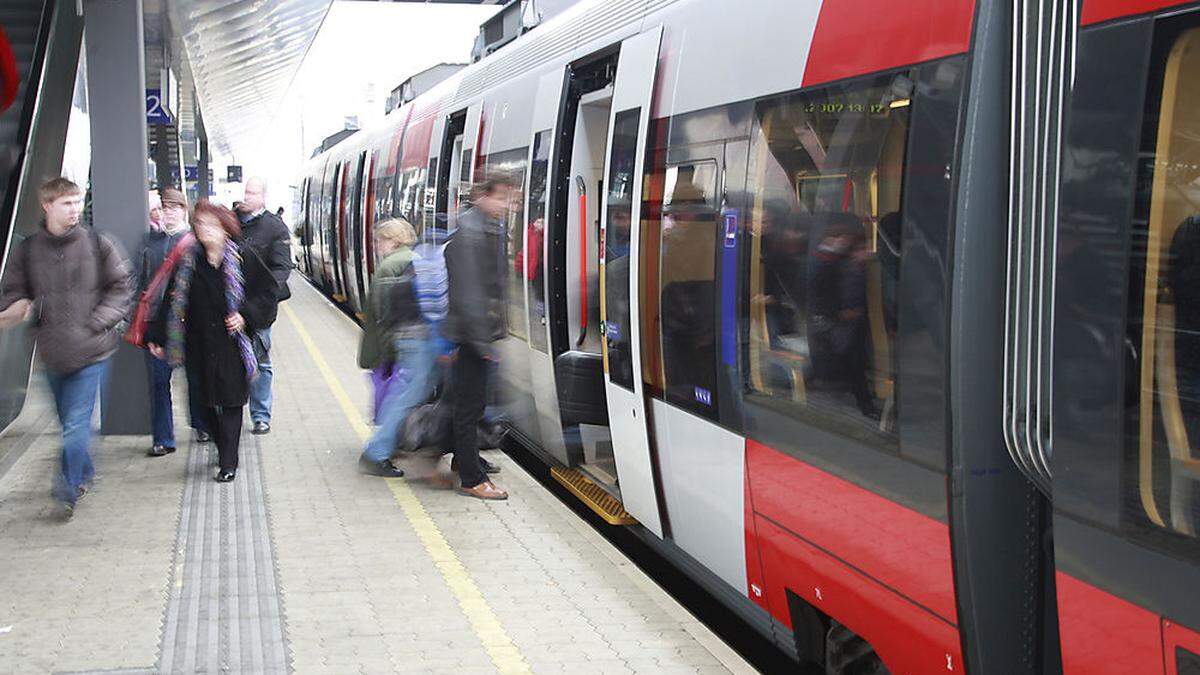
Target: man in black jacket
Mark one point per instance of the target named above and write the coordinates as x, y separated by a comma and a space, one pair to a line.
265, 232
475, 321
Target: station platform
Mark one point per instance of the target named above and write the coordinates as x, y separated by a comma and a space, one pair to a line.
304, 565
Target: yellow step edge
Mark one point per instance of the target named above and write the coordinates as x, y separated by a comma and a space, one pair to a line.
605, 505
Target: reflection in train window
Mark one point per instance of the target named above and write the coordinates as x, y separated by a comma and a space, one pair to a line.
826, 169
511, 163
535, 230
621, 192
687, 292
1163, 326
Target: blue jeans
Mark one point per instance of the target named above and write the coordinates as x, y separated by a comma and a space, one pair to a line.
75, 398
197, 413
162, 421
260, 388
418, 357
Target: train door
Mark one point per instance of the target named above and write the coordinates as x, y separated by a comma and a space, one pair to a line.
450, 168
340, 239
545, 114
1124, 419
328, 225
621, 289
469, 152
356, 266
303, 225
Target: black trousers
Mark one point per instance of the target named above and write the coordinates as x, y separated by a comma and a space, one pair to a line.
225, 425
469, 386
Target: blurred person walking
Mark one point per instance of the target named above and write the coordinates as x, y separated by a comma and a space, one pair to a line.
220, 296
75, 285
475, 321
266, 234
396, 343
156, 245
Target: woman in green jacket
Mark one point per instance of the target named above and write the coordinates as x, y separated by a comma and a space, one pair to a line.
393, 333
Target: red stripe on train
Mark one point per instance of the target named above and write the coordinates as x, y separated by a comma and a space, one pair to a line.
901, 548
1095, 11
1103, 634
880, 568
856, 37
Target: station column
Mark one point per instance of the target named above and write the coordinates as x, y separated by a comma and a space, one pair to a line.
117, 97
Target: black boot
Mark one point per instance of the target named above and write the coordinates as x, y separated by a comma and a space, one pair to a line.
383, 468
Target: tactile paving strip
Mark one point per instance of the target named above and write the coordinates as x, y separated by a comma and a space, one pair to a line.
224, 611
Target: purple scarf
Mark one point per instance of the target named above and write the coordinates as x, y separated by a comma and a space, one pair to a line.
235, 293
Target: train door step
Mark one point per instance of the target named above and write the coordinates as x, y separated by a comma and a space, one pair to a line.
597, 499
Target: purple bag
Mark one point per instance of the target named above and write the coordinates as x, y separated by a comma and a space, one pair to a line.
385, 380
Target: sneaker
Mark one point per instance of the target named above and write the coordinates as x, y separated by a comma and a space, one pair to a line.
225, 476
260, 428
203, 436
384, 468
161, 450
67, 509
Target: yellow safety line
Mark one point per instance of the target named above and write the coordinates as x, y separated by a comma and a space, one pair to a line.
504, 653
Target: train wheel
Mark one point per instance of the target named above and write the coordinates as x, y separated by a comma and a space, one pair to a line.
849, 654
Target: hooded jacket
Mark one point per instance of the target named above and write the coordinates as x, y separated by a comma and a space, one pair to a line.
80, 297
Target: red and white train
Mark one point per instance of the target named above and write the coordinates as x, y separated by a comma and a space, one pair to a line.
876, 316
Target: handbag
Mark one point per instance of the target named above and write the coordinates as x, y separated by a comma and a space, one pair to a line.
384, 379
136, 334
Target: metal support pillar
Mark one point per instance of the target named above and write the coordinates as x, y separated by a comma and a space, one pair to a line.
117, 96
203, 186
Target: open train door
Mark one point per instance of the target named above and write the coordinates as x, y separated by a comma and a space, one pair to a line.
541, 362
620, 233
470, 149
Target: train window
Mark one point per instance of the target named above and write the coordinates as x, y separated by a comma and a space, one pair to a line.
1163, 314
621, 193
531, 260
687, 291
511, 163
429, 198
825, 176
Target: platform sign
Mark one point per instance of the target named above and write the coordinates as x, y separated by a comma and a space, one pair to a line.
156, 108
191, 173
234, 174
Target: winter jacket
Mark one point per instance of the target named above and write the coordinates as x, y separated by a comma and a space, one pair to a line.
215, 369
477, 313
156, 246
270, 239
81, 297
391, 310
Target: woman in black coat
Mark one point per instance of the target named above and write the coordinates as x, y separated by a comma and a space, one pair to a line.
219, 296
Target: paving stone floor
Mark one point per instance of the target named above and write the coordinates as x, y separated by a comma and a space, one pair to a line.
304, 565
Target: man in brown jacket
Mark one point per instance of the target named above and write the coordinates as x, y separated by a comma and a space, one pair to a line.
76, 288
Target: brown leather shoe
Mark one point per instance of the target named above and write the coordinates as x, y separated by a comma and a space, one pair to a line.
485, 490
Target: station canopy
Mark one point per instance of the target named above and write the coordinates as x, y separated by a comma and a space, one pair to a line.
242, 56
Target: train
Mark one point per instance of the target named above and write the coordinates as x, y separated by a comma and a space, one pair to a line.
873, 318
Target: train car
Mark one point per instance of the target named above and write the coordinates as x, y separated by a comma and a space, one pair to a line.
872, 317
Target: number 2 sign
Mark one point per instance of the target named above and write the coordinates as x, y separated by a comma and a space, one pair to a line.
156, 109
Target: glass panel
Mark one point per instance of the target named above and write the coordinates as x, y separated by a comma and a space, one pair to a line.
535, 233
429, 197
687, 290
1163, 321
826, 237
512, 163
621, 193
